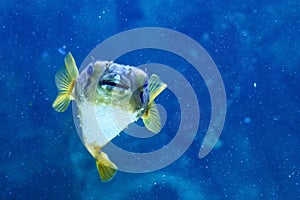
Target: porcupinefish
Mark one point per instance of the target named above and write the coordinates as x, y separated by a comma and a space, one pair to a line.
109, 96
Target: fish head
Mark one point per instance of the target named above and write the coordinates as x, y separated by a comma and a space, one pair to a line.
123, 86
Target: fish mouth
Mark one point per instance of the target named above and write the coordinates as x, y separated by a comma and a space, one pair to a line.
114, 84
114, 81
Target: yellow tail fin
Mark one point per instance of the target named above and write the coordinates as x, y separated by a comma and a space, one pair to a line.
65, 81
106, 168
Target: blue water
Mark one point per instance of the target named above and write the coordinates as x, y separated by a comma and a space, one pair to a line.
255, 45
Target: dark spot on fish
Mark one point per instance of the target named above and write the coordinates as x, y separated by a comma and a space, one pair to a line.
142, 96
90, 70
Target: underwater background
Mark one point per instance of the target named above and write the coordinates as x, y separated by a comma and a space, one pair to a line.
256, 47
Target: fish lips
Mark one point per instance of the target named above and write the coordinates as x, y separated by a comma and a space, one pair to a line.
114, 81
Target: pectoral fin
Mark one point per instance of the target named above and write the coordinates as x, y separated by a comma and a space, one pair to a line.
156, 86
106, 168
151, 118
65, 81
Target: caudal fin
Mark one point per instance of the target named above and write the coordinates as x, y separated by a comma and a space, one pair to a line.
106, 168
65, 81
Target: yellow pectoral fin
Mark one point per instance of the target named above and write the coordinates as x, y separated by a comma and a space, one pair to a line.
156, 86
106, 168
65, 81
71, 66
151, 118
62, 102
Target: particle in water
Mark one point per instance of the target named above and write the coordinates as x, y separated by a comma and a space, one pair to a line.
62, 50
247, 120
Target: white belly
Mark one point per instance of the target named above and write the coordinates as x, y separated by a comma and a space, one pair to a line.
100, 124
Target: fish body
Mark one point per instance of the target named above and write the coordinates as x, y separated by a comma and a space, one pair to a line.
109, 96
